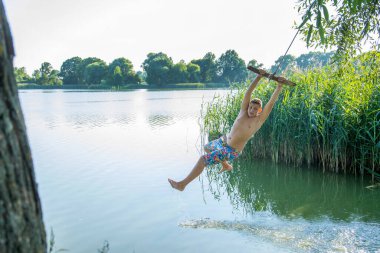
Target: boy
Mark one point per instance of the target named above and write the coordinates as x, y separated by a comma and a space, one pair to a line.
228, 147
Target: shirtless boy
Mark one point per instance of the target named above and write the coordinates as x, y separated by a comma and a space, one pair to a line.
228, 147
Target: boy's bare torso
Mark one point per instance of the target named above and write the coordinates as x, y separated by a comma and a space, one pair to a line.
243, 129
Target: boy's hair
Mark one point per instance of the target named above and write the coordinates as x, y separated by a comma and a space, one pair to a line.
257, 101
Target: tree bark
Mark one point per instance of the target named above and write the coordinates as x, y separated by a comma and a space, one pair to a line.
21, 225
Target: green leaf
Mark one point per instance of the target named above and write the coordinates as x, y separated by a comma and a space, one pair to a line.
305, 19
365, 29
309, 35
326, 13
322, 34
321, 30
318, 24
378, 145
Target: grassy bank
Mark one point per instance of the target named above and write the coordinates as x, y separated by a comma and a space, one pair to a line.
124, 87
330, 119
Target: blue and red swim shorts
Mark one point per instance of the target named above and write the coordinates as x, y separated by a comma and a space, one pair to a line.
218, 151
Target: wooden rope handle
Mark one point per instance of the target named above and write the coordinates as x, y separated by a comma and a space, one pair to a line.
267, 75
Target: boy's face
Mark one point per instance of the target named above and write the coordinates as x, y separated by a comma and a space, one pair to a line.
253, 110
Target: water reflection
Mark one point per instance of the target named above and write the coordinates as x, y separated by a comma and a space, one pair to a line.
86, 120
295, 192
158, 121
90, 121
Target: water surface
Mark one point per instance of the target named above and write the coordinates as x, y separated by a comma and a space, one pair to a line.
102, 160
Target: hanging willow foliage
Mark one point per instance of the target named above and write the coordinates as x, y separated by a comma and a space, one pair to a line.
342, 25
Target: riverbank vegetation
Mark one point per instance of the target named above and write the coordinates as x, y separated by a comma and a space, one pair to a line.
331, 119
159, 71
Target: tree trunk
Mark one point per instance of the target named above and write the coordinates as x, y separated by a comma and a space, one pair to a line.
21, 225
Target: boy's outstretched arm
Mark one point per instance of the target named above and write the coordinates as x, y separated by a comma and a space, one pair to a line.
248, 93
269, 106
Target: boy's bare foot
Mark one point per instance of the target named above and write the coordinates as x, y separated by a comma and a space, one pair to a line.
226, 167
176, 185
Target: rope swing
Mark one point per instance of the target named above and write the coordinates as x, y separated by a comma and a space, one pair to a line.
273, 75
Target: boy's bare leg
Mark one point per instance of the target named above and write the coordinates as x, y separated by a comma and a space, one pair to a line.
197, 170
225, 167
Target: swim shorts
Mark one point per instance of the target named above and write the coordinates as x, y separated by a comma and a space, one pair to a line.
218, 151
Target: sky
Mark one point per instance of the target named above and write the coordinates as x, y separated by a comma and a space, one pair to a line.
55, 30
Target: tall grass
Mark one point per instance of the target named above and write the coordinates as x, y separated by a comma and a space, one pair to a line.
330, 119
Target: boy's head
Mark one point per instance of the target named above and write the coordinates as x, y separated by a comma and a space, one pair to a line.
255, 107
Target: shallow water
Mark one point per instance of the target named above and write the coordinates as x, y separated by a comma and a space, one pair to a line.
102, 160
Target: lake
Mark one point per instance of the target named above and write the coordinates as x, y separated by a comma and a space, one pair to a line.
102, 160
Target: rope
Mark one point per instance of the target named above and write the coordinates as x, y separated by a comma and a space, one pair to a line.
291, 43
282, 59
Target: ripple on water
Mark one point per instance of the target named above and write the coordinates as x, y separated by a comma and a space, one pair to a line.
324, 236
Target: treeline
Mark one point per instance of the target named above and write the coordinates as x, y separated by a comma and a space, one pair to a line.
160, 70
80, 71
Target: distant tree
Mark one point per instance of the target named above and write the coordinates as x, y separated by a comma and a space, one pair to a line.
126, 76
313, 59
95, 72
36, 76
21, 75
46, 75
231, 68
341, 24
254, 64
117, 76
45, 71
82, 67
207, 67
194, 72
283, 63
138, 78
54, 78
157, 67
70, 71
141, 75
178, 73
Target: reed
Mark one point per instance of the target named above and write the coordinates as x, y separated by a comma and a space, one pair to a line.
330, 119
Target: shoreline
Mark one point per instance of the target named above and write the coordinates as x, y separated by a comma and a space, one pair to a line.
179, 86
